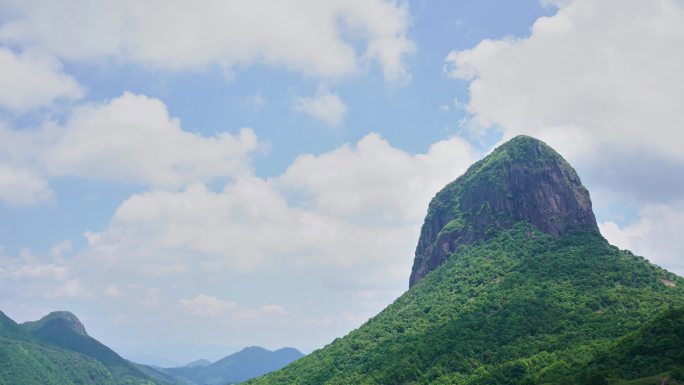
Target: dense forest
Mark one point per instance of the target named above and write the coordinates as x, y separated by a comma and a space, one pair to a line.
522, 308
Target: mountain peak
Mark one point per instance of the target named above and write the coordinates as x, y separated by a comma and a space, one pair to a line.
522, 180
58, 318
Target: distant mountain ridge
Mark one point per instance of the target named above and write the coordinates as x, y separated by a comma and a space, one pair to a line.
200, 362
248, 363
513, 284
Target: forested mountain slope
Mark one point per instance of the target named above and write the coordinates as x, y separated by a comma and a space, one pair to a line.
512, 284
24, 360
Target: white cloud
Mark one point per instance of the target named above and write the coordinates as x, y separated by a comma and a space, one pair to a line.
28, 81
364, 180
596, 74
22, 187
144, 296
358, 219
263, 311
255, 101
324, 237
112, 291
324, 105
304, 36
72, 288
122, 319
203, 305
273, 310
132, 138
656, 235
247, 225
57, 251
206, 305
22, 181
38, 271
37, 276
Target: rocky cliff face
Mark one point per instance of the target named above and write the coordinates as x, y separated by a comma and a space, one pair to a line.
522, 180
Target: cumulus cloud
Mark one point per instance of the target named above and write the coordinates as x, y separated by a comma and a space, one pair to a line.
255, 101
656, 235
206, 305
72, 288
303, 36
23, 187
29, 81
594, 75
112, 291
39, 277
203, 305
366, 178
22, 181
362, 217
263, 311
132, 138
246, 226
38, 271
324, 105
57, 251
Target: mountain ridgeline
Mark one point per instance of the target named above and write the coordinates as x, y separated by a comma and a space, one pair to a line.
56, 350
513, 283
62, 329
248, 363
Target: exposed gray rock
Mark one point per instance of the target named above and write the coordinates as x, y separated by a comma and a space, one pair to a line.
522, 180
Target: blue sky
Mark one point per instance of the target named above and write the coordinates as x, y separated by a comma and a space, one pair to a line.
190, 180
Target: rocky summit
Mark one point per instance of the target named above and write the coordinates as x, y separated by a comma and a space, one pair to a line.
522, 180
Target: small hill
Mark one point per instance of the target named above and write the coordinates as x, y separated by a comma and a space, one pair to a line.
248, 363
64, 318
64, 330
200, 362
160, 376
25, 360
512, 284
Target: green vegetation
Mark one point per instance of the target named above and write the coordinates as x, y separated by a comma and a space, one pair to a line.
57, 351
64, 330
656, 348
522, 180
513, 284
26, 361
521, 308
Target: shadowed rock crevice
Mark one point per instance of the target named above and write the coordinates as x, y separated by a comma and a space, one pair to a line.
522, 180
